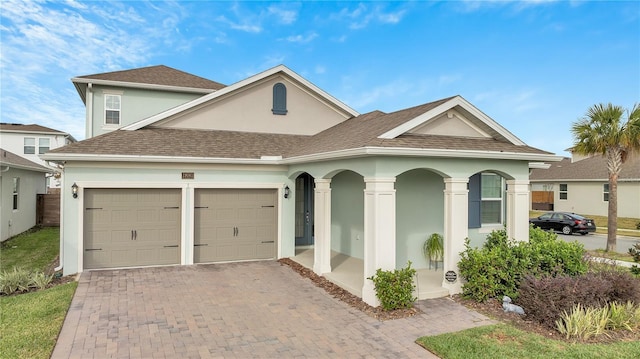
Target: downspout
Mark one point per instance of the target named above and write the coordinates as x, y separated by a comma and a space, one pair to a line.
61, 245
89, 106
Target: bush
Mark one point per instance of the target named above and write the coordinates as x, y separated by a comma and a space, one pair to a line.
499, 266
21, 280
395, 288
544, 299
585, 322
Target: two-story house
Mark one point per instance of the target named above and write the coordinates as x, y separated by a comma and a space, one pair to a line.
180, 170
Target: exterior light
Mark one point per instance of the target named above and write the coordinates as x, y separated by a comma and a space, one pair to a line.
286, 192
74, 190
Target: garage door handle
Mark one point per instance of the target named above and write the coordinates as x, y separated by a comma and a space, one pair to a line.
92, 249
171, 207
268, 206
92, 208
268, 241
199, 207
200, 245
174, 246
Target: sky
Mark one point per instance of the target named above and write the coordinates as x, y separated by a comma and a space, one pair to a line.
535, 67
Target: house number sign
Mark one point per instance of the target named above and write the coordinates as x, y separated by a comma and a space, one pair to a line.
188, 175
450, 276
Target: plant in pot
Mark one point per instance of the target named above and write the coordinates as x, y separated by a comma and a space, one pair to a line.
433, 249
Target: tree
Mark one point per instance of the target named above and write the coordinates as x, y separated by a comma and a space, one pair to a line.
603, 131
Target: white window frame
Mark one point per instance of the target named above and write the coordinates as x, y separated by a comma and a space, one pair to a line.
565, 191
41, 147
118, 110
32, 146
605, 192
16, 194
492, 199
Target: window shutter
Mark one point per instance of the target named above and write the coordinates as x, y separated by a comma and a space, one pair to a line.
279, 99
474, 201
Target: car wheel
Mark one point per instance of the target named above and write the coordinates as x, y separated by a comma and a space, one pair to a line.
566, 230
583, 233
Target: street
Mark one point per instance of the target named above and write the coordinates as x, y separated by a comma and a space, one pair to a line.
599, 241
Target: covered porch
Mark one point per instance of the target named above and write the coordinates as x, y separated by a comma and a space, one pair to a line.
348, 273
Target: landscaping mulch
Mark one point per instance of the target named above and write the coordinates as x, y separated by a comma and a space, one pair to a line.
343, 295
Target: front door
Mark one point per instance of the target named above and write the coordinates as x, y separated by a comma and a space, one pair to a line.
304, 210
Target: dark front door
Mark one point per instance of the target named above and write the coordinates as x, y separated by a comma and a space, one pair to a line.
304, 210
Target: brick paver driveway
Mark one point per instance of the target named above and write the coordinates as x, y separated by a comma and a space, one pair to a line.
236, 310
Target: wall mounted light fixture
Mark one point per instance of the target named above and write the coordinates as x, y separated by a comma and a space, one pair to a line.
74, 190
287, 191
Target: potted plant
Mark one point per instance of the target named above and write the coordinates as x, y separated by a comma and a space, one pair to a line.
433, 248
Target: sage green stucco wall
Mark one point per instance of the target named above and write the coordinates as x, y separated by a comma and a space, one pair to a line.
419, 213
347, 214
137, 104
14, 222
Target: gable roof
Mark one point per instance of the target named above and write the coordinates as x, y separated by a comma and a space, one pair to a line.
280, 69
588, 169
12, 160
159, 77
31, 128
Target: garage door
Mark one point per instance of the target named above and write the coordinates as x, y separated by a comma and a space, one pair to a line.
235, 224
131, 227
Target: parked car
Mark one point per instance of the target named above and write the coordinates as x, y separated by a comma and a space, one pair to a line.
567, 223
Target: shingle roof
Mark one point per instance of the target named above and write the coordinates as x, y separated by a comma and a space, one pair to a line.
157, 75
592, 168
10, 159
17, 127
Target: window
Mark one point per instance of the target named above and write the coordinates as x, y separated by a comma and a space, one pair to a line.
16, 189
29, 145
491, 199
605, 192
563, 191
43, 145
279, 99
112, 109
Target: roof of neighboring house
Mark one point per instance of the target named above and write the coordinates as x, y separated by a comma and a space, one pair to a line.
18, 127
588, 169
12, 160
156, 75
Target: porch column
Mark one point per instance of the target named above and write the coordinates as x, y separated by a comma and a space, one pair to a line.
518, 209
456, 228
322, 226
379, 232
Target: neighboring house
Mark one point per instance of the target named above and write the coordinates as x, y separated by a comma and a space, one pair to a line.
20, 182
581, 185
30, 141
252, 170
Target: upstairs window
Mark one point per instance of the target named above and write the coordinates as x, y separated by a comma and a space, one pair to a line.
112, 107
564, 191
605, 192
29, 145
279, 99
16, 189
43, 145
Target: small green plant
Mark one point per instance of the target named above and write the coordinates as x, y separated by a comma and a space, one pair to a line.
395, 288
623, 316
433, 248
583, 323
16, 280
40, 280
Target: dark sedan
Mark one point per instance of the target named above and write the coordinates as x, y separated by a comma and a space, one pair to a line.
565, 222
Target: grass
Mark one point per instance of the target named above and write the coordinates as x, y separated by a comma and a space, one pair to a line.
611, 255
626, 226
505, 341
31, 322
33, 250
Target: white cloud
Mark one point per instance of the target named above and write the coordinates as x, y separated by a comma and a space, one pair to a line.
284, 16
365, 14
302, 39
320, 69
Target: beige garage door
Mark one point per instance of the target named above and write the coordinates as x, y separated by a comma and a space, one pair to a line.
131, 227
235, 224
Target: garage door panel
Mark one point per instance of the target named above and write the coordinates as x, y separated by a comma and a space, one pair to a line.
133, 227
265, 250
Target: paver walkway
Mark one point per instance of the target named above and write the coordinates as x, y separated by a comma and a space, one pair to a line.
236, 310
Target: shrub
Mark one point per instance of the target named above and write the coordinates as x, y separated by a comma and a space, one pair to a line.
40, 280
624, 316
395, 288
499, 266
17, 280
582, 322
546, 298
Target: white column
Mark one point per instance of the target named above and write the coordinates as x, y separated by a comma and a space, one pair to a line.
379, 232
518, 209
456, 228
322, 226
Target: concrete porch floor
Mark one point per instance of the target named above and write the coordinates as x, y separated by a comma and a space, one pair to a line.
348, 273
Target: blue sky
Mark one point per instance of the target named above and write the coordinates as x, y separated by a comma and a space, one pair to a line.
533, 66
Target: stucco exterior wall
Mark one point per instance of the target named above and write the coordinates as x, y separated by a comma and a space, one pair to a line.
250, 110
587, 198
347, 214
14, 222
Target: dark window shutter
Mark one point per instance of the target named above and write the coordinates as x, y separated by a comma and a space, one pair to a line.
279, 99
475, 200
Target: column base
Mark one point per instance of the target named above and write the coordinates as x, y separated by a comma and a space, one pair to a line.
369, 294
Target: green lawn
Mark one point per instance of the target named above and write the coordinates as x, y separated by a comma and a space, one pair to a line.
33, 250
504, 341
30, 323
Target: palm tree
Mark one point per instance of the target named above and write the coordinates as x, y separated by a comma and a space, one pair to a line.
602, 131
